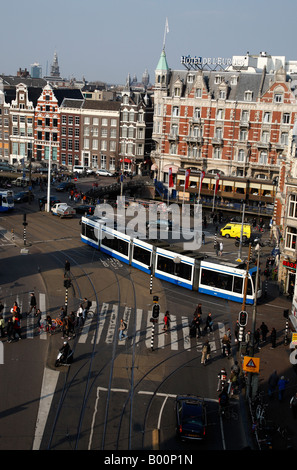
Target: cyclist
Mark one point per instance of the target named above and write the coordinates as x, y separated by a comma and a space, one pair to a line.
223, 400
222, 375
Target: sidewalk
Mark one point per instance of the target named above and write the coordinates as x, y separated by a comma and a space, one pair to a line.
271, 313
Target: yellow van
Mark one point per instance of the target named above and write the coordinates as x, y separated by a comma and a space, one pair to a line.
234, 230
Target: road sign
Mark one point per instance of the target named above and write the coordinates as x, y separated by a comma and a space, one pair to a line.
251, 364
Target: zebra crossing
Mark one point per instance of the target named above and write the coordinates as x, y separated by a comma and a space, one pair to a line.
139, 327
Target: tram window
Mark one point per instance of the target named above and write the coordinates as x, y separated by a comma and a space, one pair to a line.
167, 265
215, 279
142, 255
249, 290
89, 232
0, 200
116, 244
237, 284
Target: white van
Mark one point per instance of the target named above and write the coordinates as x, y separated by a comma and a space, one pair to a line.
78, 169
20, 181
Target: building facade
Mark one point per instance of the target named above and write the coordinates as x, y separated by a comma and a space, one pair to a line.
234, 121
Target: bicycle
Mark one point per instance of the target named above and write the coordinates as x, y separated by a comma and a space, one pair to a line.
261, 413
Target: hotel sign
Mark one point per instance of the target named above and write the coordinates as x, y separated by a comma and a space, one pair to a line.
199, 62
289, 264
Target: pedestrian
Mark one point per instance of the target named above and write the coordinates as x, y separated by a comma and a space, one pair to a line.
209, 323
67, 269
122, 328
2, 326
293, 405
10, 331
226, 345
166, 321
281, 387
203, 238
86, 307
272, 383
264, 330
236, 330
65, 328
17, 327
38, 315
273, 338
247, 339
205, 352
257, 339
79, 315
197, 322
217, 247
33, 303
49, 324
71, 324
221, 247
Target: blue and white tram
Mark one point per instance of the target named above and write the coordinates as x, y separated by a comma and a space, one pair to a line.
227, 280
218, 278
6, 200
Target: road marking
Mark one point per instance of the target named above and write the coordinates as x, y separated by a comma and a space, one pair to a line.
49, 383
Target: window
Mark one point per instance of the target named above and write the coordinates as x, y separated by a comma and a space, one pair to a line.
263, 158
291, 236
219, 133
220, 114
103, 161
244, 115
173, 149
284, 138
267, 117
175, 111
103, 145
241, 156
222, 94
248, 96
198, 93
265, 137
174, 130
197, 113
217, 153
243, 135
292, 212
177, 91
278, 98
286, 118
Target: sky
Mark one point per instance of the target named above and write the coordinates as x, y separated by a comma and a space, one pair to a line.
107, 40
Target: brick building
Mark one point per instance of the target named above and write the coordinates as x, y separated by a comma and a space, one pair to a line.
234, 121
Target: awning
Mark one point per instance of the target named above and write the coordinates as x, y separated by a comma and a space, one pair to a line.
175, 168
125, 160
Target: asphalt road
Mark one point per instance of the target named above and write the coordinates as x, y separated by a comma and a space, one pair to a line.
117, 395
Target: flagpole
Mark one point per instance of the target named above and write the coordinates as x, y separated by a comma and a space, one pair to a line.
166, 30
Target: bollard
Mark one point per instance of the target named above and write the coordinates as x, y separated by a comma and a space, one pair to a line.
152, 337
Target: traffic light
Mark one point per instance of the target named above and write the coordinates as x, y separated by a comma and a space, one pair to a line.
286, 313
242, 318
67, 283
25, 220
156, 310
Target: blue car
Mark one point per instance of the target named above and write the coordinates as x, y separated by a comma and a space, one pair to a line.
191, 418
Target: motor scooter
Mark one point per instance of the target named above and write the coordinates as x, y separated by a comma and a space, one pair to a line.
63, 360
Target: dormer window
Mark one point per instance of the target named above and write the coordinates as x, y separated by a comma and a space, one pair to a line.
222, 94
177, 92
198, 93
218, 79
190, 78
278, 98
248, 95
234, 80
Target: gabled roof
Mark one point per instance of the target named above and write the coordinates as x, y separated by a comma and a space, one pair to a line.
62, 93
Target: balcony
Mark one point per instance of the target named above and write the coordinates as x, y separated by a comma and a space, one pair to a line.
193, 139
217, 141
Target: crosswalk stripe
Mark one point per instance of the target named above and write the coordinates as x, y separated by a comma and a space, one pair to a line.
126, 318
138, 325
102, 318
112, 325
186, 336
87, 323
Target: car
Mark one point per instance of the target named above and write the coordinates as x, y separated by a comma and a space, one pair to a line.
23, 196
58, 205
65, 211
103, 172
85, 208
65, 186
191, 417
53, 200
160, 224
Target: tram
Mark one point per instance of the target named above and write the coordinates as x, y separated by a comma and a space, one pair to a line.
6, 200
193, 271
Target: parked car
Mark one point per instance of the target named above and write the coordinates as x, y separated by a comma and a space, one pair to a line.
191, 417
85, 208
65, 186
20, 181
103, 172
23, 196
53, 200
160, 224
65, 211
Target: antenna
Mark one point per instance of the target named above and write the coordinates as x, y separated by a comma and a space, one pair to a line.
165, 32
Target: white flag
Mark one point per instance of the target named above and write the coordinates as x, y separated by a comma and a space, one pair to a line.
166, 26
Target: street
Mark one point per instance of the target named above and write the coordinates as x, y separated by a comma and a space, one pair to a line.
117, 394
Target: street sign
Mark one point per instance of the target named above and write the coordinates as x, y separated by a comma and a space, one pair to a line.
251, 364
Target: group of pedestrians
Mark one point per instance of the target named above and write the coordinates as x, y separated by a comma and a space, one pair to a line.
260, 336
196, 330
